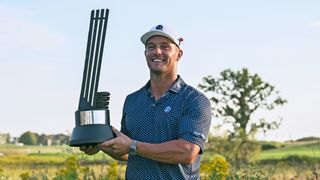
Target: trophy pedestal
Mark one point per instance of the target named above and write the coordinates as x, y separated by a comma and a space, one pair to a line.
92, 127
90, 135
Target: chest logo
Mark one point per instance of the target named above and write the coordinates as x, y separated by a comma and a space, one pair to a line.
167, 109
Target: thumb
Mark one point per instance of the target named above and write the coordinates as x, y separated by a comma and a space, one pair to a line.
116, 131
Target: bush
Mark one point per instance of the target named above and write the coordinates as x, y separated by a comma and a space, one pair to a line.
217, 168
250, 172
70, 171
294, 159
268, 146
113, 171
236, 151
2, 176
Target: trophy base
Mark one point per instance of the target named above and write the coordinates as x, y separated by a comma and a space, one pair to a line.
90, 135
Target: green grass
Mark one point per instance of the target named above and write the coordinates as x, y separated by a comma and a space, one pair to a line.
46, 160
52, 155
57, 154
311, 150
11, 149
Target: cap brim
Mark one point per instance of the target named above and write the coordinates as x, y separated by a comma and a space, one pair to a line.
150, 34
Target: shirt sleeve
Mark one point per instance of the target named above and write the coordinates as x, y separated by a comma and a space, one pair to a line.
123, 120
123, 124
195, 124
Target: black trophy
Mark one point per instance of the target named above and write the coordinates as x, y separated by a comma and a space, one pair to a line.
92, 117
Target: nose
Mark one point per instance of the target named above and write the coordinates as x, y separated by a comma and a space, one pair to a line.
157, 50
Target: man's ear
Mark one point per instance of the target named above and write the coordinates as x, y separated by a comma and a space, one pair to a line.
145, 52
180, 54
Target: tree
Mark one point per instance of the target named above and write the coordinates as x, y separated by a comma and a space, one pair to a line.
235, 97
59, 139
29, 138
43, 139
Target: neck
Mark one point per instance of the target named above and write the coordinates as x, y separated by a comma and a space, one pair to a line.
160, 84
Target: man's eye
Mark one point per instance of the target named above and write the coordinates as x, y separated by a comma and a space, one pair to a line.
164, 47
150, 47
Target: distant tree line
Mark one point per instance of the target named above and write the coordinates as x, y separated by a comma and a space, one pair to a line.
311, 138
32, 138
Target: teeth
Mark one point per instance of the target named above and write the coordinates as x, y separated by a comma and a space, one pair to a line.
157, 60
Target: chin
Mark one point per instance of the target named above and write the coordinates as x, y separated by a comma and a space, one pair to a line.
156, 69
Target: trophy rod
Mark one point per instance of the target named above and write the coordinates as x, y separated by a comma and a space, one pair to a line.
98, 55
93, 47
93, 59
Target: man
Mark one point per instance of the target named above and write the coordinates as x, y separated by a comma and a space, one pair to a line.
165, 123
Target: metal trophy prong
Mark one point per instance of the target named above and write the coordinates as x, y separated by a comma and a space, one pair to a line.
92, 118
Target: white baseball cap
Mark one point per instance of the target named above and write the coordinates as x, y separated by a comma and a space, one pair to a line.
162, 30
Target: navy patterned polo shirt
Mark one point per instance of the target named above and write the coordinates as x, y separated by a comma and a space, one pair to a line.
183, 112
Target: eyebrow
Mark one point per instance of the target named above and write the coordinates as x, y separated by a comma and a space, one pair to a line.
163, 42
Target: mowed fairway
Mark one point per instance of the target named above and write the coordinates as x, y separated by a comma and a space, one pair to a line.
303, 149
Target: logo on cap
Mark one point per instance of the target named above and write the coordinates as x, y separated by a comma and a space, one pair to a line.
180, 41
159, 27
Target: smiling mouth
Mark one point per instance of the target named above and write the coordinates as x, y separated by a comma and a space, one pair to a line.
157, 60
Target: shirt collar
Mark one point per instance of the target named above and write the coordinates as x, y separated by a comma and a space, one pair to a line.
177, 85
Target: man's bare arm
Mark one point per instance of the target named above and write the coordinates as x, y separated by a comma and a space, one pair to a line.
176, 151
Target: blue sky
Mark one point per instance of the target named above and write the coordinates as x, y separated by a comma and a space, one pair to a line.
43, 47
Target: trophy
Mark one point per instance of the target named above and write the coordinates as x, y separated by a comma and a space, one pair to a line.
92, 118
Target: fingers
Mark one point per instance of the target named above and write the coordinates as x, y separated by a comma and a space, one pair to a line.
86, 148
90, 150
116, 131
83, 148
108, 143
108, 146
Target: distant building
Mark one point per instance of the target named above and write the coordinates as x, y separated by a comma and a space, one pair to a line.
49, 142
15, 140
4, 138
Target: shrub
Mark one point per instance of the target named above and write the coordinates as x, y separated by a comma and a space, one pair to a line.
25, 176
294, 160
217, 168
113, 171
250, 172
70, 171
2, 176
88, 173
268, 146
236, 151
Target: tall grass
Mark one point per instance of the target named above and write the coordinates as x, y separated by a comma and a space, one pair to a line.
61, 162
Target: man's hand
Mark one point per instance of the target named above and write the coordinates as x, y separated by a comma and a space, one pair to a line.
118, 146
90, 150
